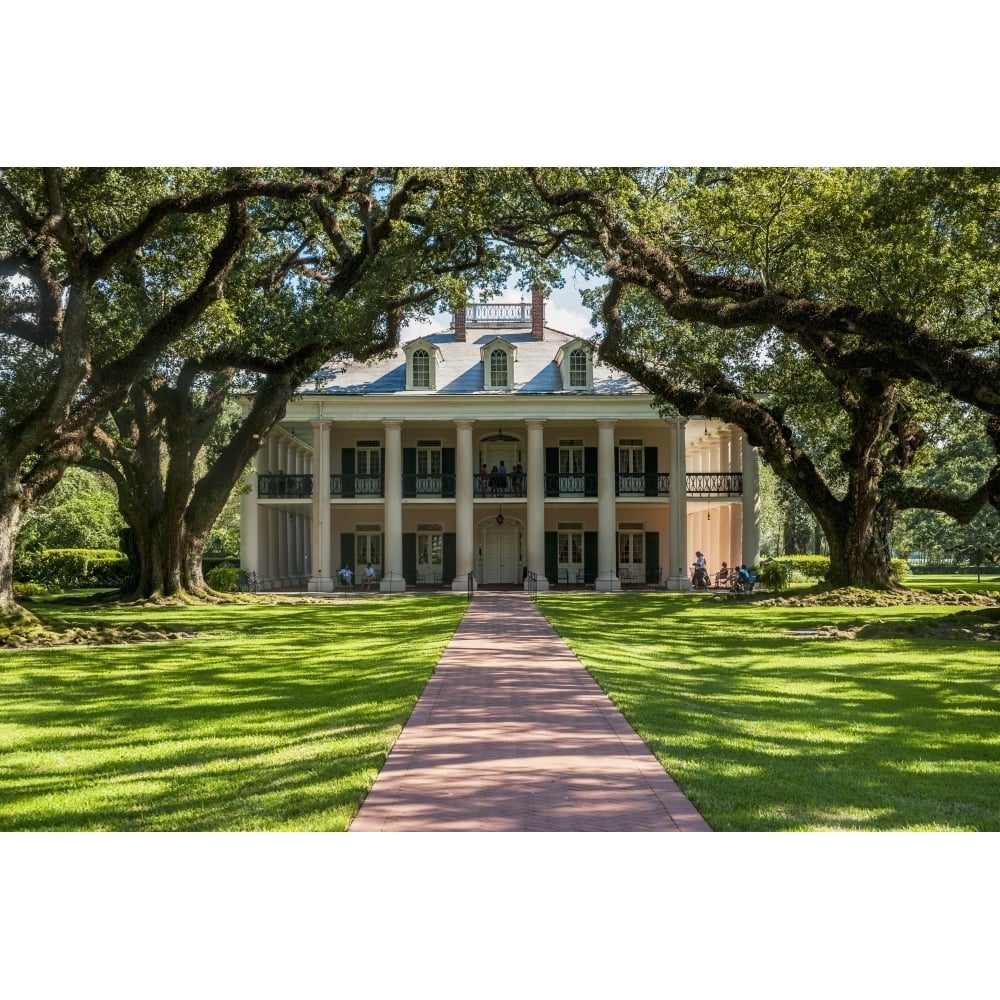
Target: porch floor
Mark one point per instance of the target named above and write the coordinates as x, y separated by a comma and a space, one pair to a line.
512, 733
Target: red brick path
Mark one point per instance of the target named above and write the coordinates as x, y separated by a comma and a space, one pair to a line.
511, 733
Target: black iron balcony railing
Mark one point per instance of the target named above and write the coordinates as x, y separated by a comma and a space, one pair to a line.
716, 484
496, 484
442, 485
349, 485
513, 484
649, 484
284, 487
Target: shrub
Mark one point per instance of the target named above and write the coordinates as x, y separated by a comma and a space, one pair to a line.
900, 569
811, 567
223, 578
68, 568
28, 590
773, 575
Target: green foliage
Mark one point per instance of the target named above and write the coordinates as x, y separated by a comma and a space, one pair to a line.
223, 578
81, 512
773, 575
66, 569
23, 589
811, 567
817, 567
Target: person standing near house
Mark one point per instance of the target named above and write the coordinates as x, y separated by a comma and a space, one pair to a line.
700, 579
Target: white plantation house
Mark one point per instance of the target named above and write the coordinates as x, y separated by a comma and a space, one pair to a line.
498, 451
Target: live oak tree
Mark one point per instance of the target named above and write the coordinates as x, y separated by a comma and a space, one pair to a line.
802, 305
71, 243
330, 278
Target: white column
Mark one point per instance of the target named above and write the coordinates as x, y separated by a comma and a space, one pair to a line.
321, 578
607, 577
464, 507
676, 577
751, 504
535, 473
249, 521
392, 567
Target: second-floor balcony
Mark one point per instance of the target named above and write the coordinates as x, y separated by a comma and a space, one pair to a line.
508, 485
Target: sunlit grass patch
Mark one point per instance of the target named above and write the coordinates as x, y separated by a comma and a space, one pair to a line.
275, 717
766, 730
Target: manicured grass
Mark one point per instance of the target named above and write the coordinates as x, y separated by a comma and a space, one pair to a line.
767, 730
276, 717
987, 582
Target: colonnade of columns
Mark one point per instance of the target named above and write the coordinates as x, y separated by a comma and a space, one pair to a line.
291, 546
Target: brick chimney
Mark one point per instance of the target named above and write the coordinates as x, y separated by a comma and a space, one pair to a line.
537, 314
460, 325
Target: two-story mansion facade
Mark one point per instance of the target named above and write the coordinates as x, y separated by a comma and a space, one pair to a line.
499, 451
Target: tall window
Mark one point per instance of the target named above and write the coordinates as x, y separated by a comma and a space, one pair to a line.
368, 545
571, 458
430, 553
428, 458
630, 455
421, 369
499, 369
631, 544
368, 468
578, 369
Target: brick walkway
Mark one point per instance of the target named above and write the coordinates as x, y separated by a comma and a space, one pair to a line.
511, 733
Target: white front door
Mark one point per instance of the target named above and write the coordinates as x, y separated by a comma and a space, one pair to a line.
500, 555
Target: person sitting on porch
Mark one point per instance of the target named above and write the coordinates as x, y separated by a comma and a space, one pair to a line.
722, 577
346, 576
368, 576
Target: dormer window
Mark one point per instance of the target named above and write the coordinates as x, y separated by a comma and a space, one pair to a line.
421, 369
422, 359
576, 364
499, 369
498, 364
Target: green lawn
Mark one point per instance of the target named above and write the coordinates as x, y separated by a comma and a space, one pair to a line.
276, 717
765, 729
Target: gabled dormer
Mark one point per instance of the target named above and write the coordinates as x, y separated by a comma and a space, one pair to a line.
498, 357
422, 360
575, 360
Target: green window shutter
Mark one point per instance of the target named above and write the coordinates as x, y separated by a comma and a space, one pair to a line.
652, 557
447, 472
449, 558
617, 488
589, 556
552, 557
651, 470
590, 474
410, 558
551, 473
346, 550
410, 483
347, 467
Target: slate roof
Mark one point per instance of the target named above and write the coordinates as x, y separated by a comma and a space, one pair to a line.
460, 368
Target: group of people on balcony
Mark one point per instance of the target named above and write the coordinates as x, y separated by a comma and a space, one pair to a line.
498, 481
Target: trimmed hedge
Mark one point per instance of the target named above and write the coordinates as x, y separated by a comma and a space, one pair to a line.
817, 567
65, 569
